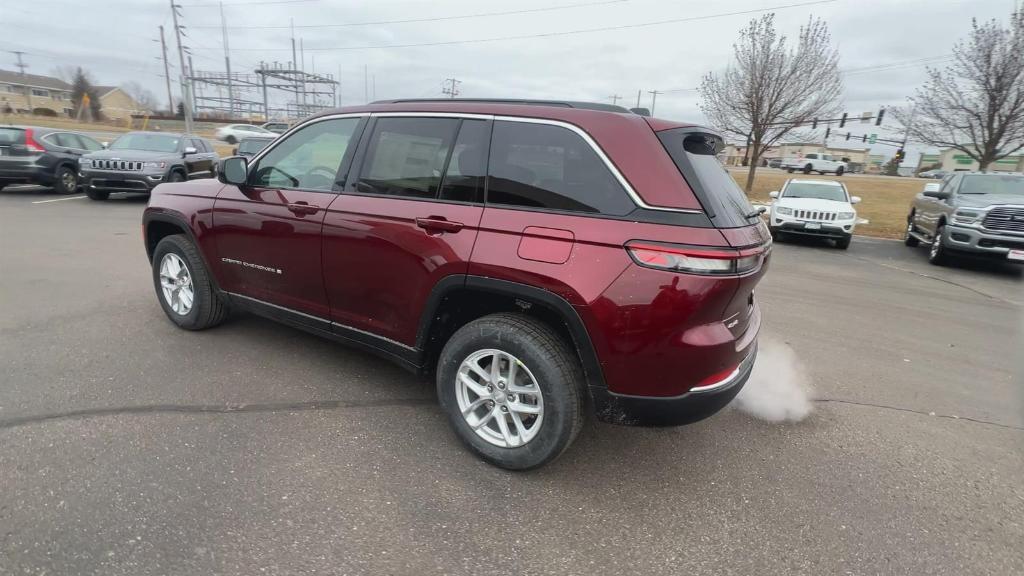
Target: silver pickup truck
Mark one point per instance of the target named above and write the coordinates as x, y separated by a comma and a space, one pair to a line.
970, 212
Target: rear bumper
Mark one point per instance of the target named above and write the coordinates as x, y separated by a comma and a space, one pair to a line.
25, 174
697, 404
982, 242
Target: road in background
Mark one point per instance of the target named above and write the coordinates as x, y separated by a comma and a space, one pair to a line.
128, 446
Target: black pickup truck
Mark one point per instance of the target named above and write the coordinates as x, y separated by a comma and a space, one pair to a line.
976, 213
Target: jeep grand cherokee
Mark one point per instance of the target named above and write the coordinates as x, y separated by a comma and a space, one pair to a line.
535, 258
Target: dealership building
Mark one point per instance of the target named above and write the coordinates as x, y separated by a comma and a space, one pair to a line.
952, 160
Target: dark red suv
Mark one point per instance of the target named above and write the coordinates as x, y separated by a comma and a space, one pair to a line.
536, 258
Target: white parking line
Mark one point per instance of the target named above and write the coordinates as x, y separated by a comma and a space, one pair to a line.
58, 199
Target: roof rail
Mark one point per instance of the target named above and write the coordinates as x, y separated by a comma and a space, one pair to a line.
559, 103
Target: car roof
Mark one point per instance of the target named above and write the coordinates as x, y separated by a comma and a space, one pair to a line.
578, 113
980, 173
40, 129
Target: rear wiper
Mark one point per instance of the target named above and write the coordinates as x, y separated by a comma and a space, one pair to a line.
757, 212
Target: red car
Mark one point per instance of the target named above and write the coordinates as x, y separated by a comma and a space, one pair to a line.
537, 259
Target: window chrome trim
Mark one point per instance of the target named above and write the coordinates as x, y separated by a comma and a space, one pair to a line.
493, 117
604, 158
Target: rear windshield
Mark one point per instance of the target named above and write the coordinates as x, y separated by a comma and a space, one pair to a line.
10, 136
252, 146
1008, 184
694, 153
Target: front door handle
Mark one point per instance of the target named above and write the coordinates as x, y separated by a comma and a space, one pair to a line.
438, 224
302, 208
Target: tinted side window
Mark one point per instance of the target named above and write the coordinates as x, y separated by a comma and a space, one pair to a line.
467, 169
88, 143
308, 159
544, 166
65, 140
407, 156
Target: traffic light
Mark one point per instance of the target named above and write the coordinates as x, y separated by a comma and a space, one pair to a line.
827, 132
881, 113
864, 138
814, 124
900, 155
847, 135
842, 121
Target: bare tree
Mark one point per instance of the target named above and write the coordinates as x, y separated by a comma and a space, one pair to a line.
976, 105
142, 96
771, 89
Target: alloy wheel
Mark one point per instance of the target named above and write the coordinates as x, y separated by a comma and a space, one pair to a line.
499, 398
176, 284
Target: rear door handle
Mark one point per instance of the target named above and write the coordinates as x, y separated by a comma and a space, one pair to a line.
438, 224
301, 208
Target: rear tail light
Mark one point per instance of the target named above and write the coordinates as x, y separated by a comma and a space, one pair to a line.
30, 142
696, 260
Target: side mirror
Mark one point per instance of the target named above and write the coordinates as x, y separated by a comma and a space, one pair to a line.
854, 199
762, 209
773, 194
190, 150
233, 170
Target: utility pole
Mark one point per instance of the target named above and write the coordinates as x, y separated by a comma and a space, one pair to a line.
167, 71
338, 103
366, 85
191, 82
21, 66
654, 99
295, 65
615, 99
185, 92
227, 62
452, 90
638, 98
302, 72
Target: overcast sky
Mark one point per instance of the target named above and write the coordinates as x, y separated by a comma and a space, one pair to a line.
879, 40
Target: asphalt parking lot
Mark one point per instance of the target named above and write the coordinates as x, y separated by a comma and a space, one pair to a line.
128, 446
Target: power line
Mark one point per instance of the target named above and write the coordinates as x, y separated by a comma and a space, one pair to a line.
252, 3
431, 19
563, 33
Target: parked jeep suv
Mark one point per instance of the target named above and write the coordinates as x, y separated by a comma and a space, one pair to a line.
974, 213
138, 161
535, 258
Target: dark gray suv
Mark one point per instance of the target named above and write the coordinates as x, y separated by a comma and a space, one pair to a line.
973, 213
138, 161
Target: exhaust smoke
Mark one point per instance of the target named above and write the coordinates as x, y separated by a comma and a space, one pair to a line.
778, 387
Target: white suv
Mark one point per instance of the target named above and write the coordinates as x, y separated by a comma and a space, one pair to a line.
814, 162
820, 208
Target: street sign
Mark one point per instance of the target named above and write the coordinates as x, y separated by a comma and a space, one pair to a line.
872, 139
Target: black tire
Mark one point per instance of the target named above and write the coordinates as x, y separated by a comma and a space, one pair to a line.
807, 169
556, 370
840, 171
908, 239
231, 140
844, 242
937, 251
176, 176
95, 194
208, 307
66, 181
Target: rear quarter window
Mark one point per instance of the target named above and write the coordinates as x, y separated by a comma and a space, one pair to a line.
550, 167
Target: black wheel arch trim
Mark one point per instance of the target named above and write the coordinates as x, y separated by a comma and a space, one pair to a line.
179, 221
581, 338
